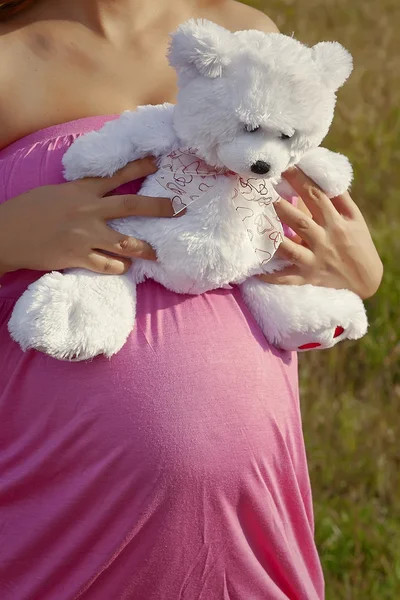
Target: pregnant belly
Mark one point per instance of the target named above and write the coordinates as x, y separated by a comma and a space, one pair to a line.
196, 410
195, 373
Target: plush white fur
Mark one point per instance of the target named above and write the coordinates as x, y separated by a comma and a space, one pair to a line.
293, 312
81, 302
230, 84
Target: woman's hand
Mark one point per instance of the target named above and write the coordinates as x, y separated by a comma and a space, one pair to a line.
61, 226
334, 247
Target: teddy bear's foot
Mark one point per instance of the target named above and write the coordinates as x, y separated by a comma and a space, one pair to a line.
75, 316
301, 318
313, 340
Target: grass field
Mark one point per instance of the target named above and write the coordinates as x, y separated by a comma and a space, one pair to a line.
351, 395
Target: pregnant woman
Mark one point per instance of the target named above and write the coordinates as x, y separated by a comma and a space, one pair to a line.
176, 470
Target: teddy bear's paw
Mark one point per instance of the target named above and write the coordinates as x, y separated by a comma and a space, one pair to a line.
330, 170
302, 318
95, 155
75, 316
325, 337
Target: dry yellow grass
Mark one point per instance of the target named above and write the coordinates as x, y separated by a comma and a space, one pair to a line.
351, 395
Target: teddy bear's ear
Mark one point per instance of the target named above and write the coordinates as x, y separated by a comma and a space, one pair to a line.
200, 47
335, 63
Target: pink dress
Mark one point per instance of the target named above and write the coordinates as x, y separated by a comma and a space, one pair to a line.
174, 471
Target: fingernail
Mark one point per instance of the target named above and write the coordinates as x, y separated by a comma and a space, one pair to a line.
179, 213
147, 255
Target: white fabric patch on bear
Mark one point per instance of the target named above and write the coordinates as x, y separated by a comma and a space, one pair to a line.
189, 178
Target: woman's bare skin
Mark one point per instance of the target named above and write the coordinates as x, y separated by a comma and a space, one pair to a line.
72, 59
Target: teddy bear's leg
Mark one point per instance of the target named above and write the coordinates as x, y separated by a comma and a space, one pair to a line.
76, 315
135, 134
305, 317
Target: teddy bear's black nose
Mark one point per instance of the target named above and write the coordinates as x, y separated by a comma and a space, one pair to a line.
261, 167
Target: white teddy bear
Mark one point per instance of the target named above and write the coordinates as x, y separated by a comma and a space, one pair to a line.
250, 105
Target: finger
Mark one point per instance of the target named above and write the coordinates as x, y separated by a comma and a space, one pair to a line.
309, 231
126, 246
295, 238
301, 206
295, 253
318, 203
115, 207
108, 265
289, 276
345, 205
132, 171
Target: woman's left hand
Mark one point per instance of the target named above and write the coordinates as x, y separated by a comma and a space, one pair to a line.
334, 247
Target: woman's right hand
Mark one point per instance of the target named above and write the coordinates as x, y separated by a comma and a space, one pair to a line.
62, 226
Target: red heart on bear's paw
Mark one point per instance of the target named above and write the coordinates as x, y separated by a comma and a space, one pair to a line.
338, 331
309, 346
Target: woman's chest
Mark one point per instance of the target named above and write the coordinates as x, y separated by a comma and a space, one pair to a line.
59, 71
50, 83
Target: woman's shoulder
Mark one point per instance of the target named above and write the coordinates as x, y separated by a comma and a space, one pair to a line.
237, 16
14, 82
28, 95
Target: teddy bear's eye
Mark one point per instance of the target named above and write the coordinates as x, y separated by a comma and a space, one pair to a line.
285, 136
251, 128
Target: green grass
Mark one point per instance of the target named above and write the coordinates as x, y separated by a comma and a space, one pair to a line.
351, 394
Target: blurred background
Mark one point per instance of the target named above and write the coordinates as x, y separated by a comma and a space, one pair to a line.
351, 395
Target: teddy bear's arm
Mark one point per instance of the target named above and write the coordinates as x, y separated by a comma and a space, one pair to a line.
134, 135
330, 170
